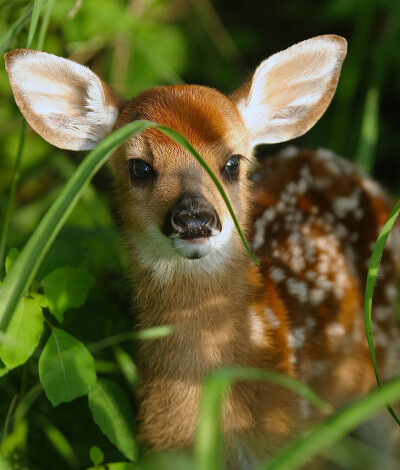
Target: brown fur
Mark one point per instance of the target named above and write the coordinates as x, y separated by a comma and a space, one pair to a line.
311, 218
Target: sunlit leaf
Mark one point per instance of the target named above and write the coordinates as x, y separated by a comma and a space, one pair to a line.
113, 413
66, 287
66, 368
119, 466
10, 258
96, 455
62, 254
23, 333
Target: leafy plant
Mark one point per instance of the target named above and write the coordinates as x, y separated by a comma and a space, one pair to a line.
50, 285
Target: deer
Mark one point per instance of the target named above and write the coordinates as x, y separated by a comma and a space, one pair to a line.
311, 218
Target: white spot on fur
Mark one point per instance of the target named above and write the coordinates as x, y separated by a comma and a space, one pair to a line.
272, 319
297, 289
257, 328
316, 296
260, 225
343, 205
335, 330
277, 274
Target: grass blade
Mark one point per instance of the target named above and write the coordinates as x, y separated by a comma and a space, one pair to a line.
295, 454
14, 29
25, 268
208, 447
14, 182
373, 269
45, 24
37, 6
186, 145
369, 131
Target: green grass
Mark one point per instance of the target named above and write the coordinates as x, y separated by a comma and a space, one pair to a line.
23, 405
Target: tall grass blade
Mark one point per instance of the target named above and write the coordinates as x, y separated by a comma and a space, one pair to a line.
186, 145
37, 5
369, 131
25, 267
45, 24
16, 172
14, 29
208, 445
14, 183
295, 454
373, 269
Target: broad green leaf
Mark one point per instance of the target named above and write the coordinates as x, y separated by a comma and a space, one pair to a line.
113, 413
5, 464
66, 368
62, 254
11, 257
66, 287
40, 299
23, 333
96, 455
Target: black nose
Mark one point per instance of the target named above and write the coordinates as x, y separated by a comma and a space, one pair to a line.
192, 217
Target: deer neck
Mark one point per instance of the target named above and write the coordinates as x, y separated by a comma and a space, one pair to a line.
207, 310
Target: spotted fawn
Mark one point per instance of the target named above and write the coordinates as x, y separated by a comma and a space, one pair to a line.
311, 218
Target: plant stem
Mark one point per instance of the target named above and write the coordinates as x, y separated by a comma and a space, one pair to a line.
15, 179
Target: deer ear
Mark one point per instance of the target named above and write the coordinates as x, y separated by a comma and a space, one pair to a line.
64, 102
291, 90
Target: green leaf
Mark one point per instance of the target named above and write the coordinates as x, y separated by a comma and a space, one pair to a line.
96, 455
118, 466
113, 413
66, 287
62, 254
23, 334
11, 257
66, 368
40, 299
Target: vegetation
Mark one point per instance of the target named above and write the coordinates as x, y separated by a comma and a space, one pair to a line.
69, 375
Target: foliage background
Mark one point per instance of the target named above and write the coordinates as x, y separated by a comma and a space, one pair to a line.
134, 45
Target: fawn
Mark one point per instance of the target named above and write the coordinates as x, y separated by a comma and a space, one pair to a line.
312, 219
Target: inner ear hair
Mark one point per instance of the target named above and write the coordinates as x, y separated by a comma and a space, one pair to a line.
291, 90
65, 102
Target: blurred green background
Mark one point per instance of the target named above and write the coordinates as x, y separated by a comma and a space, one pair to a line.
136, 44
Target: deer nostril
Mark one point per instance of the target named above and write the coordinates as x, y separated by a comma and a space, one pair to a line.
192, 218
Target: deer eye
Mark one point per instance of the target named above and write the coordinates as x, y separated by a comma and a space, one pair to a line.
139, 170
231, 168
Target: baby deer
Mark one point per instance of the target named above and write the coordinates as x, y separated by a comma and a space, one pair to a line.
311, 217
